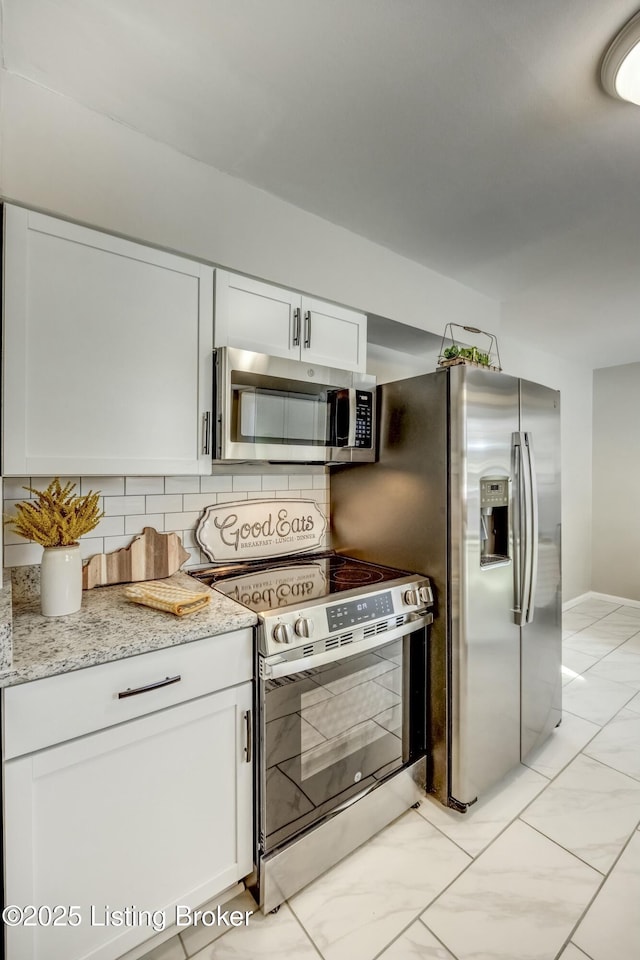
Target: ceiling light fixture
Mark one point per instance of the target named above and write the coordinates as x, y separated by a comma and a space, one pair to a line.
621, 64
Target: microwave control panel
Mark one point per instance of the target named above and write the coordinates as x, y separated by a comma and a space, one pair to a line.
364, 419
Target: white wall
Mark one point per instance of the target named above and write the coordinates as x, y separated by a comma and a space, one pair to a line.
61, 157
576, 388
616, 480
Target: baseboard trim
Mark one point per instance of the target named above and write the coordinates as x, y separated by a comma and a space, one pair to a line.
593, 595
610, 598
575, 601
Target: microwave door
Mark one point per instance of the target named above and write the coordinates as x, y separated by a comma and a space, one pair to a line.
273, 409
306, 420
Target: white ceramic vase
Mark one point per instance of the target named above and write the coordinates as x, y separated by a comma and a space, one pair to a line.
61, 581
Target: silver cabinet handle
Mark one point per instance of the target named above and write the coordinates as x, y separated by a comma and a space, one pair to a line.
149, 686
307, 328
296, 327
206, 432
248, 735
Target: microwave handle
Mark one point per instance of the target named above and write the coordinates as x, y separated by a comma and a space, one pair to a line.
341, 399
353, 412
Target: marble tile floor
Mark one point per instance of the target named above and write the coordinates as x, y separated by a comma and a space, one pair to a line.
544, 867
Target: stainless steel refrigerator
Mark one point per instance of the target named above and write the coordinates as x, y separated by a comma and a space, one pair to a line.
467, 491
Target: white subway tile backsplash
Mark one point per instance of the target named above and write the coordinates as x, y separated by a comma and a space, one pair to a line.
14, 488
182, 485
116, 543
23, 554
199, 501
10, 507
247, 483
178, 522
144, 485
272, 482
10, 536
195, 556
166, 503
108, 527
107, 486
89, 546
41, 483
231, 497
300, 481
320, 495
219, 484
124, 506
138, 521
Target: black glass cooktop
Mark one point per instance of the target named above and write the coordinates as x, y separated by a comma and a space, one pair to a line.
269, 584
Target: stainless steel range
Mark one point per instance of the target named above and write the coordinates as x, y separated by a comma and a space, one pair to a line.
341, 684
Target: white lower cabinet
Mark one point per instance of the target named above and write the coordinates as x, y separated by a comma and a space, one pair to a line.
145, 815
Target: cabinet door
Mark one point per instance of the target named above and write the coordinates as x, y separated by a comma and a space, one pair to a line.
257, 316
151, 813
107, 353
333, 336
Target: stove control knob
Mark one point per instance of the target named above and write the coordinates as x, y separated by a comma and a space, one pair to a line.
426, 595
304, 627
412, 597
282, 633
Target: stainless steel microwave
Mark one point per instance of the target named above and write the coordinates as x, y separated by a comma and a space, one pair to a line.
270, 408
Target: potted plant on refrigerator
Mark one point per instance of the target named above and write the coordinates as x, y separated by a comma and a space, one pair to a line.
459, 352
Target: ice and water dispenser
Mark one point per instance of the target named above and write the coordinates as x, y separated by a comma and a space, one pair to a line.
494, 520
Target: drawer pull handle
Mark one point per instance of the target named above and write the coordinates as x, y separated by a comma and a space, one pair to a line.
248, 733
149, 686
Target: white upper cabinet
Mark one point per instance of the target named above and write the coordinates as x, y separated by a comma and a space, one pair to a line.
107, 353
252, 315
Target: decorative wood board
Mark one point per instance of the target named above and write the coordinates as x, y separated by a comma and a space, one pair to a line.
151, 556
260, 528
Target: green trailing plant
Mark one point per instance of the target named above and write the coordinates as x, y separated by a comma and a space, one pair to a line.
56, 517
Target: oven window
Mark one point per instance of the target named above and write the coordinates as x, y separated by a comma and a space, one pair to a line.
279, 416
333, 731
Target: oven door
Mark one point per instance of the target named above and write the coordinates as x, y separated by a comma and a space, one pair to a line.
331, 730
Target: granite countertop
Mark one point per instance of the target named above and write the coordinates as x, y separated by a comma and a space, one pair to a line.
107, 627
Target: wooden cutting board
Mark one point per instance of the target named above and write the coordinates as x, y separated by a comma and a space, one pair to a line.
151, 556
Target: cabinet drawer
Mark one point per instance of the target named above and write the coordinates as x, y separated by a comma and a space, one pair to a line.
55, 709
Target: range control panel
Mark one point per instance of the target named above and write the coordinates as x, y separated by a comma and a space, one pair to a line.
350, 613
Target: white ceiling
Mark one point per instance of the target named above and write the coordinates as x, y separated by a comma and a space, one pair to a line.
469, 135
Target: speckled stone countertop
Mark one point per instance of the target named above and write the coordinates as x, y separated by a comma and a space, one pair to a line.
5, 623
107, 627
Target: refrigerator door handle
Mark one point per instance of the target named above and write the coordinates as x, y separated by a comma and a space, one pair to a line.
525, 527
533, 524
517, 533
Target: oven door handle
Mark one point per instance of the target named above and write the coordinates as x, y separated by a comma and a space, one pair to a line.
273, 667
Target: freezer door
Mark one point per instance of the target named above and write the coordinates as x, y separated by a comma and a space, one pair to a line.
484, 639
541, 628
